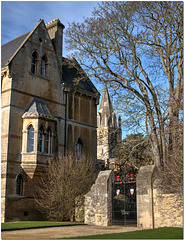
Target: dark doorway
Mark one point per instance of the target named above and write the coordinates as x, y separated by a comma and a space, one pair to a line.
124, 209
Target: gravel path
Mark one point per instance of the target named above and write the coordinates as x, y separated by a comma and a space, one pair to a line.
62, 232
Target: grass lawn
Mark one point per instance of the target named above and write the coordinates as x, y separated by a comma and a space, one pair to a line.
159, 233
34, 224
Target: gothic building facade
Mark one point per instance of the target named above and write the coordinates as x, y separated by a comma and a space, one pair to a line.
109, 133
43, 113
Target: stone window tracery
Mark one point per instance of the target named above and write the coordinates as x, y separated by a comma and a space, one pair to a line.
44, 66
41, 140
34, 63
48, 141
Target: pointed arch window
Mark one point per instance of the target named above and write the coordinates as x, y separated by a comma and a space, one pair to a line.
48, 141
19, 185
34, 63
44, 64
30, 142
41, 140
79, 149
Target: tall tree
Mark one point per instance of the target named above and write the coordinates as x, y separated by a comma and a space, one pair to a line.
137, 47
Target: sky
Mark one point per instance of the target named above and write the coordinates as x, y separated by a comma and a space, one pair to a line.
19, 17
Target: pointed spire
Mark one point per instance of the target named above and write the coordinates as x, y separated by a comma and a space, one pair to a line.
119, 121
106, 104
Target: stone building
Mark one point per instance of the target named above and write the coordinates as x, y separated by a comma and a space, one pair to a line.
43, 113
109, 134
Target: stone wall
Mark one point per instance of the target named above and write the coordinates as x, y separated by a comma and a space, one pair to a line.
98, 202
168, 209
154, 208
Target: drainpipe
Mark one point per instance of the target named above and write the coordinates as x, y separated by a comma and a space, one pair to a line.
66, 90
66, 96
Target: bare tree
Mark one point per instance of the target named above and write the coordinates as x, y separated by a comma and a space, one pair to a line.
135, 151
65, 179
137, 47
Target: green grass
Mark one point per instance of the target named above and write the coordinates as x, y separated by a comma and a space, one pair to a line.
34, 224
159, 233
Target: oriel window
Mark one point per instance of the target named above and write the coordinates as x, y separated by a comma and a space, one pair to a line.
30, 142
48, 142
41, 141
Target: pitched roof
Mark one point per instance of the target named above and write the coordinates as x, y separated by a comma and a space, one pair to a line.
70, 74
37, 108
8, 49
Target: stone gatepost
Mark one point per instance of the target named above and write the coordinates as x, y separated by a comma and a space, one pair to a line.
98, 202
144, 191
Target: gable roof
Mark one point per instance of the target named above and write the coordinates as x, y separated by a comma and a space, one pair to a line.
70, 74
10, 49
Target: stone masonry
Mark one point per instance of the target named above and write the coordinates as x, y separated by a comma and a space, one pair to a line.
154, 208
167, 208
98, 202
144, 197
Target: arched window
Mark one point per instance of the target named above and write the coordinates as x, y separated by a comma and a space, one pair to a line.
48, 142
19, 187
79, 149
34, 63
41, 140
44, 66
30, 140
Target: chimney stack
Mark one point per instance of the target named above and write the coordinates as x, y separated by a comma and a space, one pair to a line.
55, 31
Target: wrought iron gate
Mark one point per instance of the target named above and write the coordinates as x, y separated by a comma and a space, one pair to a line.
124, 211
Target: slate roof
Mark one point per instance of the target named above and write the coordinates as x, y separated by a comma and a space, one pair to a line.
37, 108
69, 74
8, 49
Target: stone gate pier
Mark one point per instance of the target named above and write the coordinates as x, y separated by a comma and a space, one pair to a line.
98, 202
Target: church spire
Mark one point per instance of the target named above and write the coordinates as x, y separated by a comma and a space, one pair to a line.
106, 104
108, 133
106, 116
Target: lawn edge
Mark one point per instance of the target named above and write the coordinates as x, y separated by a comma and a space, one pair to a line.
26, 228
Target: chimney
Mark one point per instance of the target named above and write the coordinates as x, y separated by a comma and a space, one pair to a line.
55, 31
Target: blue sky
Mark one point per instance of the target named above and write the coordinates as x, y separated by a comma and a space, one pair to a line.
19, 17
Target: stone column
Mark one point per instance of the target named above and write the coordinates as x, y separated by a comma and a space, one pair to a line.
98, 202
144, 191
